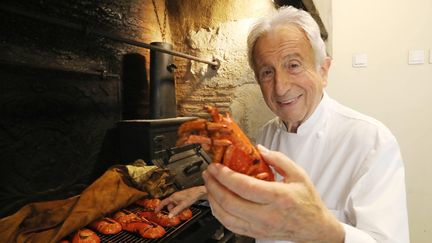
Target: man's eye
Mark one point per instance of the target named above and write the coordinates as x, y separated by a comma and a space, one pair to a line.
295, 67
265, 74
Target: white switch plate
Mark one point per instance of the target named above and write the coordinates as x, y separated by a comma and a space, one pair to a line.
416, 57
359, 60
430, 56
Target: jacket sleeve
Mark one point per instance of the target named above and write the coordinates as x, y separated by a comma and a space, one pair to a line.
376, 206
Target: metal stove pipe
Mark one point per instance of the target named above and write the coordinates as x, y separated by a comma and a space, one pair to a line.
162, 85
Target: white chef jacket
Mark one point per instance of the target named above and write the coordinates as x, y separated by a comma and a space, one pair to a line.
355, 164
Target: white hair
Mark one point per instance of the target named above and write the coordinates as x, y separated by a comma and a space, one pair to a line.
286, 16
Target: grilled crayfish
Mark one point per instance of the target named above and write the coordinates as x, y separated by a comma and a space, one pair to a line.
106, 226
225, 141
85, 235
131, 222
148, 203
161, 218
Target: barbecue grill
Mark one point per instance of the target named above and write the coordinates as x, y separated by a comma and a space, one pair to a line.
171, 232
186, 163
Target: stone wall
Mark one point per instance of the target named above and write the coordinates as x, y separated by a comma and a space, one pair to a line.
203, 28
31, 41
217, 29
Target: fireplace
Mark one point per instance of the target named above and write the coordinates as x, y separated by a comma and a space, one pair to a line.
62, 99
52, 127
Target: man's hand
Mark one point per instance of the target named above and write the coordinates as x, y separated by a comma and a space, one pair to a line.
181, 200
286, 210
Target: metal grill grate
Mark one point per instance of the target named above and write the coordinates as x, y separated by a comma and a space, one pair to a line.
171, 232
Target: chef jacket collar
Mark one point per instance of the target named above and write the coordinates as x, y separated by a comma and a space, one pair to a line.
314, 121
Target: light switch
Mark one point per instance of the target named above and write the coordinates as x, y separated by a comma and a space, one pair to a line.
359, 60
430, 56
416, 57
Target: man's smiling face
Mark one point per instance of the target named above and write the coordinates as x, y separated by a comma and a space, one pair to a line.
291, 84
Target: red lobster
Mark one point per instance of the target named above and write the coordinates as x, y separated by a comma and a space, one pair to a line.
226, 142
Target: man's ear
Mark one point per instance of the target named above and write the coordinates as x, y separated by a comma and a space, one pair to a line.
324, 69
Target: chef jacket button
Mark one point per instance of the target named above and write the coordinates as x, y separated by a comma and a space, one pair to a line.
319, 134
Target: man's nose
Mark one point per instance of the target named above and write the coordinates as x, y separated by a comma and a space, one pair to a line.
283, 83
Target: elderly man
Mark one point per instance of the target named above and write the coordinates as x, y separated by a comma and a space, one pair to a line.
340, 175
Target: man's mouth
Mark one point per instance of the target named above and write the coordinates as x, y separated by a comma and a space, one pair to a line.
289, 101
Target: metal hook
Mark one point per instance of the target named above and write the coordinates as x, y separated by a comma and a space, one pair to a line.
218, 63
171, 67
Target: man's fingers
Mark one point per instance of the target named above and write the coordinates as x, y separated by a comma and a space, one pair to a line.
176, 210
283, 165
163, 203
237, 202
172, 205
235, 212
245, 186
231, 210
232, 223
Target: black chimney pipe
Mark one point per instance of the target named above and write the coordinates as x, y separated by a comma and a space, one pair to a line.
162, 85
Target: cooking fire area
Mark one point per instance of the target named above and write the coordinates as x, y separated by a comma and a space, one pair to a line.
92, 94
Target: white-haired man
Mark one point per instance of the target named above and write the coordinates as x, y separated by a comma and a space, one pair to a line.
340, 175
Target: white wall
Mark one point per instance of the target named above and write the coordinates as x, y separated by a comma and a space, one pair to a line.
398, 94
